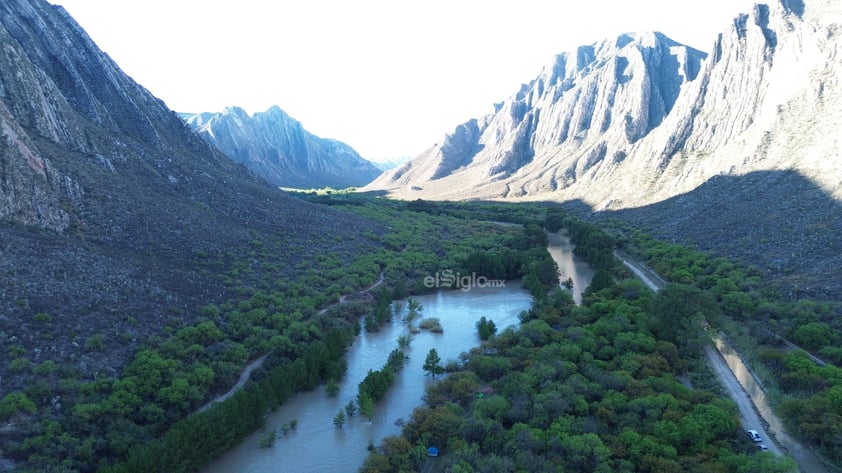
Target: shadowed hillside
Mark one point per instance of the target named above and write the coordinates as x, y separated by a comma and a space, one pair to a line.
778, 220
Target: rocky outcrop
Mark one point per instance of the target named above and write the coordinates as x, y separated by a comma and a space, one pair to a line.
276, 147
639, 118
62, 99
31, 189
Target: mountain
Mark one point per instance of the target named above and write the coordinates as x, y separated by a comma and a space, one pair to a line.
588, 107
392, 163
735, 151
639, 118
117, 219
276, 147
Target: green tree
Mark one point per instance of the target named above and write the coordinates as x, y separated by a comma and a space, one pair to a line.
351, 408
814, 335
339, 419
486, 328
396, 360
95, 342
602, 279
14, 403
405, 340
366, 405
414, 308
679, 313
332, 388
269, 439
432, 364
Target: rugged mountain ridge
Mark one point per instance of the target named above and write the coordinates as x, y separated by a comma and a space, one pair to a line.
278, 148
116, 218
590, 105
737, 151
639, 118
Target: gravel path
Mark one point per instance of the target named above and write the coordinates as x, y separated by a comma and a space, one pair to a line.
244, 376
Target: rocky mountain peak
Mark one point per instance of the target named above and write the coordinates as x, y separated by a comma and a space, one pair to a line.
589, 106
722, 149
278, 148
636, 118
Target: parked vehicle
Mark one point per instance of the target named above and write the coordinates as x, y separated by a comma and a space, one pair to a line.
754, 436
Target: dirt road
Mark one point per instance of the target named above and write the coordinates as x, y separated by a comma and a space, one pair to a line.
244, 376
748, 415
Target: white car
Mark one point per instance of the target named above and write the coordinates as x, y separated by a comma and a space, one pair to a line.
754, 436
762, 447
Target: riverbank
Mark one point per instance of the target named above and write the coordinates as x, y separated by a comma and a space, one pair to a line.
317, 445
570, 266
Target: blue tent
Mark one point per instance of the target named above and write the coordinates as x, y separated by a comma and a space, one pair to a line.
432, 452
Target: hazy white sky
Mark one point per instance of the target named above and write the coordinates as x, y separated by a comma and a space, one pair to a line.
387, 77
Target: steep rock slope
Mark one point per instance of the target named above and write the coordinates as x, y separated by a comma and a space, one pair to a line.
115, 217
588, 107
276, 147
737, 153
639, 119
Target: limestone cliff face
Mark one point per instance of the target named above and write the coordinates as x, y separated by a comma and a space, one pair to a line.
278, 148
639, 118
589, 106
31, 190
768, 98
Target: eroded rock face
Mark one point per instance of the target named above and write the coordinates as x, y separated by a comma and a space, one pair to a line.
589, 105
276, 147
62, 99
639, 118
31, 190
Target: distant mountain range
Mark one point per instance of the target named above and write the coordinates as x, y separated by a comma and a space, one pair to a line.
278, 148
387, 164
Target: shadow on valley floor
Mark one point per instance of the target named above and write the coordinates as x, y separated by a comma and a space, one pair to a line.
778, 220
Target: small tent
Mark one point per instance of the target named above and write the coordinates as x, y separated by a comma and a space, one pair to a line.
432, 452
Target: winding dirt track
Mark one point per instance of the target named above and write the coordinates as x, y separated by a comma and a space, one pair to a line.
244, 376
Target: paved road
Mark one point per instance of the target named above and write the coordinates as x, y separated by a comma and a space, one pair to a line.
649, 277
